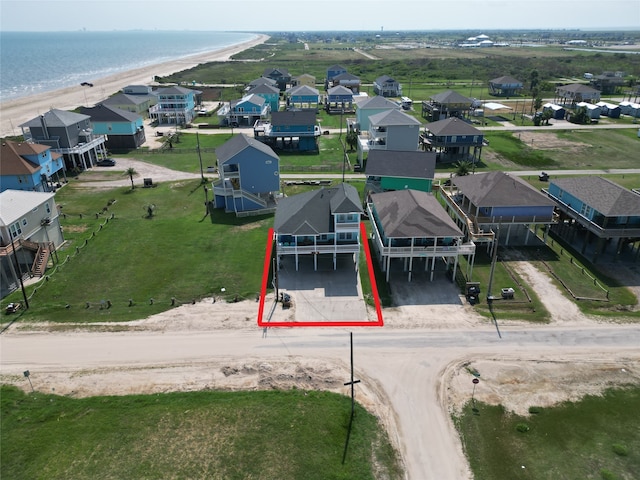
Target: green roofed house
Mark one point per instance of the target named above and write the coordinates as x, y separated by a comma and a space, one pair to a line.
396, 170
324, 222
594, 208
412, 227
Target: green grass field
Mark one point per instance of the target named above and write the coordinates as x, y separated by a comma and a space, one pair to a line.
594, 439
206, 434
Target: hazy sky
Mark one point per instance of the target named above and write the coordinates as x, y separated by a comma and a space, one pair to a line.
300, 15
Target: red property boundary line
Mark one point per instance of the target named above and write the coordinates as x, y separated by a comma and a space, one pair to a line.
350, 323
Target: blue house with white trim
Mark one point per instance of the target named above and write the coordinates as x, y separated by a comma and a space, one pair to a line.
29, 166
249, 176
176, 106
485, 203
290, 130
339, 99
246, 111
303, 96
595, 208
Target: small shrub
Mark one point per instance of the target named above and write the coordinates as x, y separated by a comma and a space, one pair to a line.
522, 427
620, 449
533, 409
608, 475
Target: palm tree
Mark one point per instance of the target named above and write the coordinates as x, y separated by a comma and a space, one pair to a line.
131, 172
463, 167
352, 139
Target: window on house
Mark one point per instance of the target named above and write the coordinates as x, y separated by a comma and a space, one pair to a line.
15, 230
47, 207
24, 222
586, 210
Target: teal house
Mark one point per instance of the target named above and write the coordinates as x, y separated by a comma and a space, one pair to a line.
123, 130
389, 170
369, 106
269, 93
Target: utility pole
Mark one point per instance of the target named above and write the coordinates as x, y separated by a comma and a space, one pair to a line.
15, 258
353, 402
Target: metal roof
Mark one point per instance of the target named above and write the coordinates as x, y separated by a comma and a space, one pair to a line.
15, 204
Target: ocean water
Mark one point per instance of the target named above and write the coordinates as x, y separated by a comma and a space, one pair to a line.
36, 62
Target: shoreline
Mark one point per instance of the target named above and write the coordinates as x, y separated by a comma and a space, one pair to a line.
18, 111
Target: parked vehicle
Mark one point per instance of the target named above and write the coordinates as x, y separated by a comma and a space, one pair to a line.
106, 162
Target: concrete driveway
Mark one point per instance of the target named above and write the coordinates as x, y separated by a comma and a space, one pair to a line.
324, 294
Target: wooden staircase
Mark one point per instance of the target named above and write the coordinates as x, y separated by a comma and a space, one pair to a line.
41, 260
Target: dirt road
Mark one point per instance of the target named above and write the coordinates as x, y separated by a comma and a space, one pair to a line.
414, 372
412, 378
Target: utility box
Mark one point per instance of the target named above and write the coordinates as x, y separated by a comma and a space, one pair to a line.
507, 292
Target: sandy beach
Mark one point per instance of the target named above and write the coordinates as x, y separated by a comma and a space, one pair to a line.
16, 112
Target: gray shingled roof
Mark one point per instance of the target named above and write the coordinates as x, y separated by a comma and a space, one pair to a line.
505, 80
499, 189
264, 88
391, 163
604, 196
124, 99
303, 90
235, 145
450, 97
293, 118
56, 118
250, 98
105, 113
411, 213
309, 213
393, 117
577, 88
377, 102
452, 126
339, 90
384, 78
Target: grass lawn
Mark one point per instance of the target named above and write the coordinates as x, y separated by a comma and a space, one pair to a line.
179, 253
596, 438
525, 304
584, 149
216, 435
